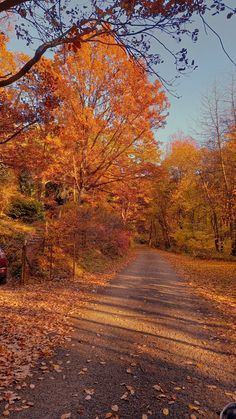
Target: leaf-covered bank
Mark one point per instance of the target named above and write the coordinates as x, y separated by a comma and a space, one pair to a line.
33, 319
212, 278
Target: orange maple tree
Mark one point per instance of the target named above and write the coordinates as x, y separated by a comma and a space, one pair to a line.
107, 112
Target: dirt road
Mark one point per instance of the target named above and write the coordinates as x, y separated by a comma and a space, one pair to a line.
146, 329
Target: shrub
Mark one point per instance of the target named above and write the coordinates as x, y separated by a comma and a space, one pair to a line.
12, 245
26, 210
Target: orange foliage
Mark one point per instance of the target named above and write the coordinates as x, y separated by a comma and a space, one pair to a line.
107, 112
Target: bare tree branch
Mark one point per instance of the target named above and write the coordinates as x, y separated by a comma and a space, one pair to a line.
8, 4
18, 132
38, 54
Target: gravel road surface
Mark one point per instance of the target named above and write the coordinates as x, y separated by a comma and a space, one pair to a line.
146, 345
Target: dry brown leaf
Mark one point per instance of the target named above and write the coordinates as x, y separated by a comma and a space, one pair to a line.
165, 411
157, 387
66, 416
193, 407
130, 389
89, 391
114, 408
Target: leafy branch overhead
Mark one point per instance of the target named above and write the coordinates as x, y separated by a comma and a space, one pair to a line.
143, 28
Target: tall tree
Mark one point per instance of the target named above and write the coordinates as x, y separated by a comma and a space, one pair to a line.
218, 121
100, 126
106, 116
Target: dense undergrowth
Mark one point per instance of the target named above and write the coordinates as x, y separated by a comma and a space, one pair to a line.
62, 248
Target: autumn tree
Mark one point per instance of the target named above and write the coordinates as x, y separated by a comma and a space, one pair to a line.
107, 112
191, 210
218, 124
134, 25
14, 115
94, 140
30, 101
175, 203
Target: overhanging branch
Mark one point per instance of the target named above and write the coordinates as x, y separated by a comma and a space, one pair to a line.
6, 140
8, 4
38, 54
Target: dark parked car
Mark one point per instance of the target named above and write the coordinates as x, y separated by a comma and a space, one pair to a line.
3, 267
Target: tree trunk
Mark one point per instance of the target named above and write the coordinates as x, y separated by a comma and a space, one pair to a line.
233, 238
165, 231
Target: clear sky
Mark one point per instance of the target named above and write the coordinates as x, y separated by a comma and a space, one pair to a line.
213, 65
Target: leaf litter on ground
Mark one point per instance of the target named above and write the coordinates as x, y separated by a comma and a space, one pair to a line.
33, 323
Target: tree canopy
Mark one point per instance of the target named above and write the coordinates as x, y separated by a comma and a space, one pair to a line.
141, 27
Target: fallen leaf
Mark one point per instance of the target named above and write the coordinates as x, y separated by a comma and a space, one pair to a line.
144, 416
157, 387
66, 416
89, 391
114, 408
130, 389
228, 393
108, 415
165, 411
124, 396
193, 407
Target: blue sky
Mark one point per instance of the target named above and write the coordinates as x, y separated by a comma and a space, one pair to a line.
213, 65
